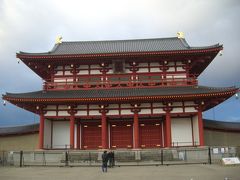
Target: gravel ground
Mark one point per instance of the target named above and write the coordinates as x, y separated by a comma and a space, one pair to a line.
174, 172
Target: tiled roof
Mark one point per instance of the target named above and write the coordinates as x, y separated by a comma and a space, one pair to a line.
121, 46
119, 93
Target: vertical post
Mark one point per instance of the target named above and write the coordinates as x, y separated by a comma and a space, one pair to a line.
41, 131
209, 156
72, 119
78, 136
136, 130
104, 130
168, 129
200, 127
21, 158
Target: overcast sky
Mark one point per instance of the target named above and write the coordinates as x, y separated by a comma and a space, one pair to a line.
32, 26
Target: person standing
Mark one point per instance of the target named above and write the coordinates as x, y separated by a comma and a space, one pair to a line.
111, 158
104, 161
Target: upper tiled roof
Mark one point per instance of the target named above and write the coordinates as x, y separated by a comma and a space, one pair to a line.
121, 46
119, 93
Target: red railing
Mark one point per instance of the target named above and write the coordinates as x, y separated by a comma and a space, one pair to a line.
117, 81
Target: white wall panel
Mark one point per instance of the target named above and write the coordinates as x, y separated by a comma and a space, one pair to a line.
190, 109
47, 133
51, 113
158, 111
61, 134
177, 110
195, 129
126, 111
145, 111
113, 112
181, 131
63, 113
143, 70
92, 113
81, 113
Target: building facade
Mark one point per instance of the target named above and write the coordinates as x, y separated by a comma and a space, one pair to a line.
121, 94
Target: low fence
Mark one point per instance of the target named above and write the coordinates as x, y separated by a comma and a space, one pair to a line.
171, 156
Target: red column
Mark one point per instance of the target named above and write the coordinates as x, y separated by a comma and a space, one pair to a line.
104, 131
200, 127
72, 119
41, 131
136, 131
168, 130
78, 135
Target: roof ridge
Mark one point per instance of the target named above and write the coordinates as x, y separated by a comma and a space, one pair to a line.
120, 40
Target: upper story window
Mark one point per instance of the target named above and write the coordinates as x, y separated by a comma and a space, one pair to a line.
118, 66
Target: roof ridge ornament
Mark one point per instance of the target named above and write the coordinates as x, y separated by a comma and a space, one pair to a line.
58, 40
180, 35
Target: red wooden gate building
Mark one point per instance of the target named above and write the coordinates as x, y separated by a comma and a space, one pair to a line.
141, 93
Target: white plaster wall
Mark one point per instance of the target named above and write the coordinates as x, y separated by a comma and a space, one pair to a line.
113, 112
81, 113
171, 69
63, 113
59, 73
68, 73
61, 134
83, 72
51, 113
95, 72
190, 109
195, 129
180, 69
181, 131
143, 70
47, 133
158, 111
155, 70
145, 111
94, 113
62, 107
177, 110
126, 111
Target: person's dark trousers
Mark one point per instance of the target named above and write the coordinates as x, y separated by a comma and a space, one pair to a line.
104, 168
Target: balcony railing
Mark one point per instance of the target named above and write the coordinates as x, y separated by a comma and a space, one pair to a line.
117, 81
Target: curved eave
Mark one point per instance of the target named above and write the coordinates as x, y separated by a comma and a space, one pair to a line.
23, 56
109, 99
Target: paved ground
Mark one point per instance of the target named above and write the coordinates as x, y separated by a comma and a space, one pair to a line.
174, 172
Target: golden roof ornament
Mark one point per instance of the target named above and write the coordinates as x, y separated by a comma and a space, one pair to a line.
58, 40
180, 35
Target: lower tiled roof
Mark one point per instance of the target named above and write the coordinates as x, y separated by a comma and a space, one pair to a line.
119, 93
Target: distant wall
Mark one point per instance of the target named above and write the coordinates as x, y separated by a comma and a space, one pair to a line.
19, 142
221, 138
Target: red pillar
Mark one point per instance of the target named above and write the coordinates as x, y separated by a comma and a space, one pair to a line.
168, 130
78, 135
104, 131
72, 119
41, 131
200, 127
136, 131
